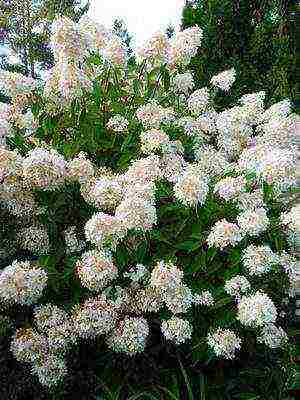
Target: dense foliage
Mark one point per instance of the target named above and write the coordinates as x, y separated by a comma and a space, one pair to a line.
257, 38
148, 240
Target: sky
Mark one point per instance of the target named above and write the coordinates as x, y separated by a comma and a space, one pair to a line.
143, 17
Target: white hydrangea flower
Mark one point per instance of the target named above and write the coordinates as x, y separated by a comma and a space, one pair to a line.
96, 269
94, 317
60, 337
179, 299
183, 83
198, 101
210, 161
224, 342
272, 336
229, 188
144, 170
191, 188
47, 316
207, 122
106, 192
153, 140
44, 169
129, 336
256, 310
205, 298
255, 100
136, 213
103, 228
166, 276
250, 201
183, 46
281, 109
50, 370
144, 191
253, 222
177, 330
258, 260
290, 266
154, 50
271, 164
22, 283
34, 239
151, 115
173, 166
237, 286
80, 168
115, 52
117, 123
224, 234
224, 80
27, 345
291, 219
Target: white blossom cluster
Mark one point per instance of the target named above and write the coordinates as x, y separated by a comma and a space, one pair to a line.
256, 310
177, 330
96, 270
34, 239
183, 83
272, 336
224, 80
224, 234
45, 345
224, 342
130, 336
237, 286
152, 114
22, 283
253, 223
191, 188
117, 124
153, 140
258, 260
198, 101
229, 188
44, 169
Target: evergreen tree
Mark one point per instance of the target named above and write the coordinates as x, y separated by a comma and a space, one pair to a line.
255, 37
120, 29
170, 31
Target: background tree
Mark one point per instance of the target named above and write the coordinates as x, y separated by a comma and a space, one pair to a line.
257, 38
120, 29
25, 30
170, 31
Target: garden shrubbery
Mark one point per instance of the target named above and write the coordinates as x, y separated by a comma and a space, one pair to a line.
138, 217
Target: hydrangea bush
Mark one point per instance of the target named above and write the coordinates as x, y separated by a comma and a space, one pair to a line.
129, 198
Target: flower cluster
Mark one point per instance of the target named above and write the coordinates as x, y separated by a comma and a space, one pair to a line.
177, 330
22, 283
117, 124
223, 234
224, 80
258, 260
224, 342
44, 345
96, 270
256, 310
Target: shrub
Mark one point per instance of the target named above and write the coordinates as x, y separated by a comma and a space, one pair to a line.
136, 201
